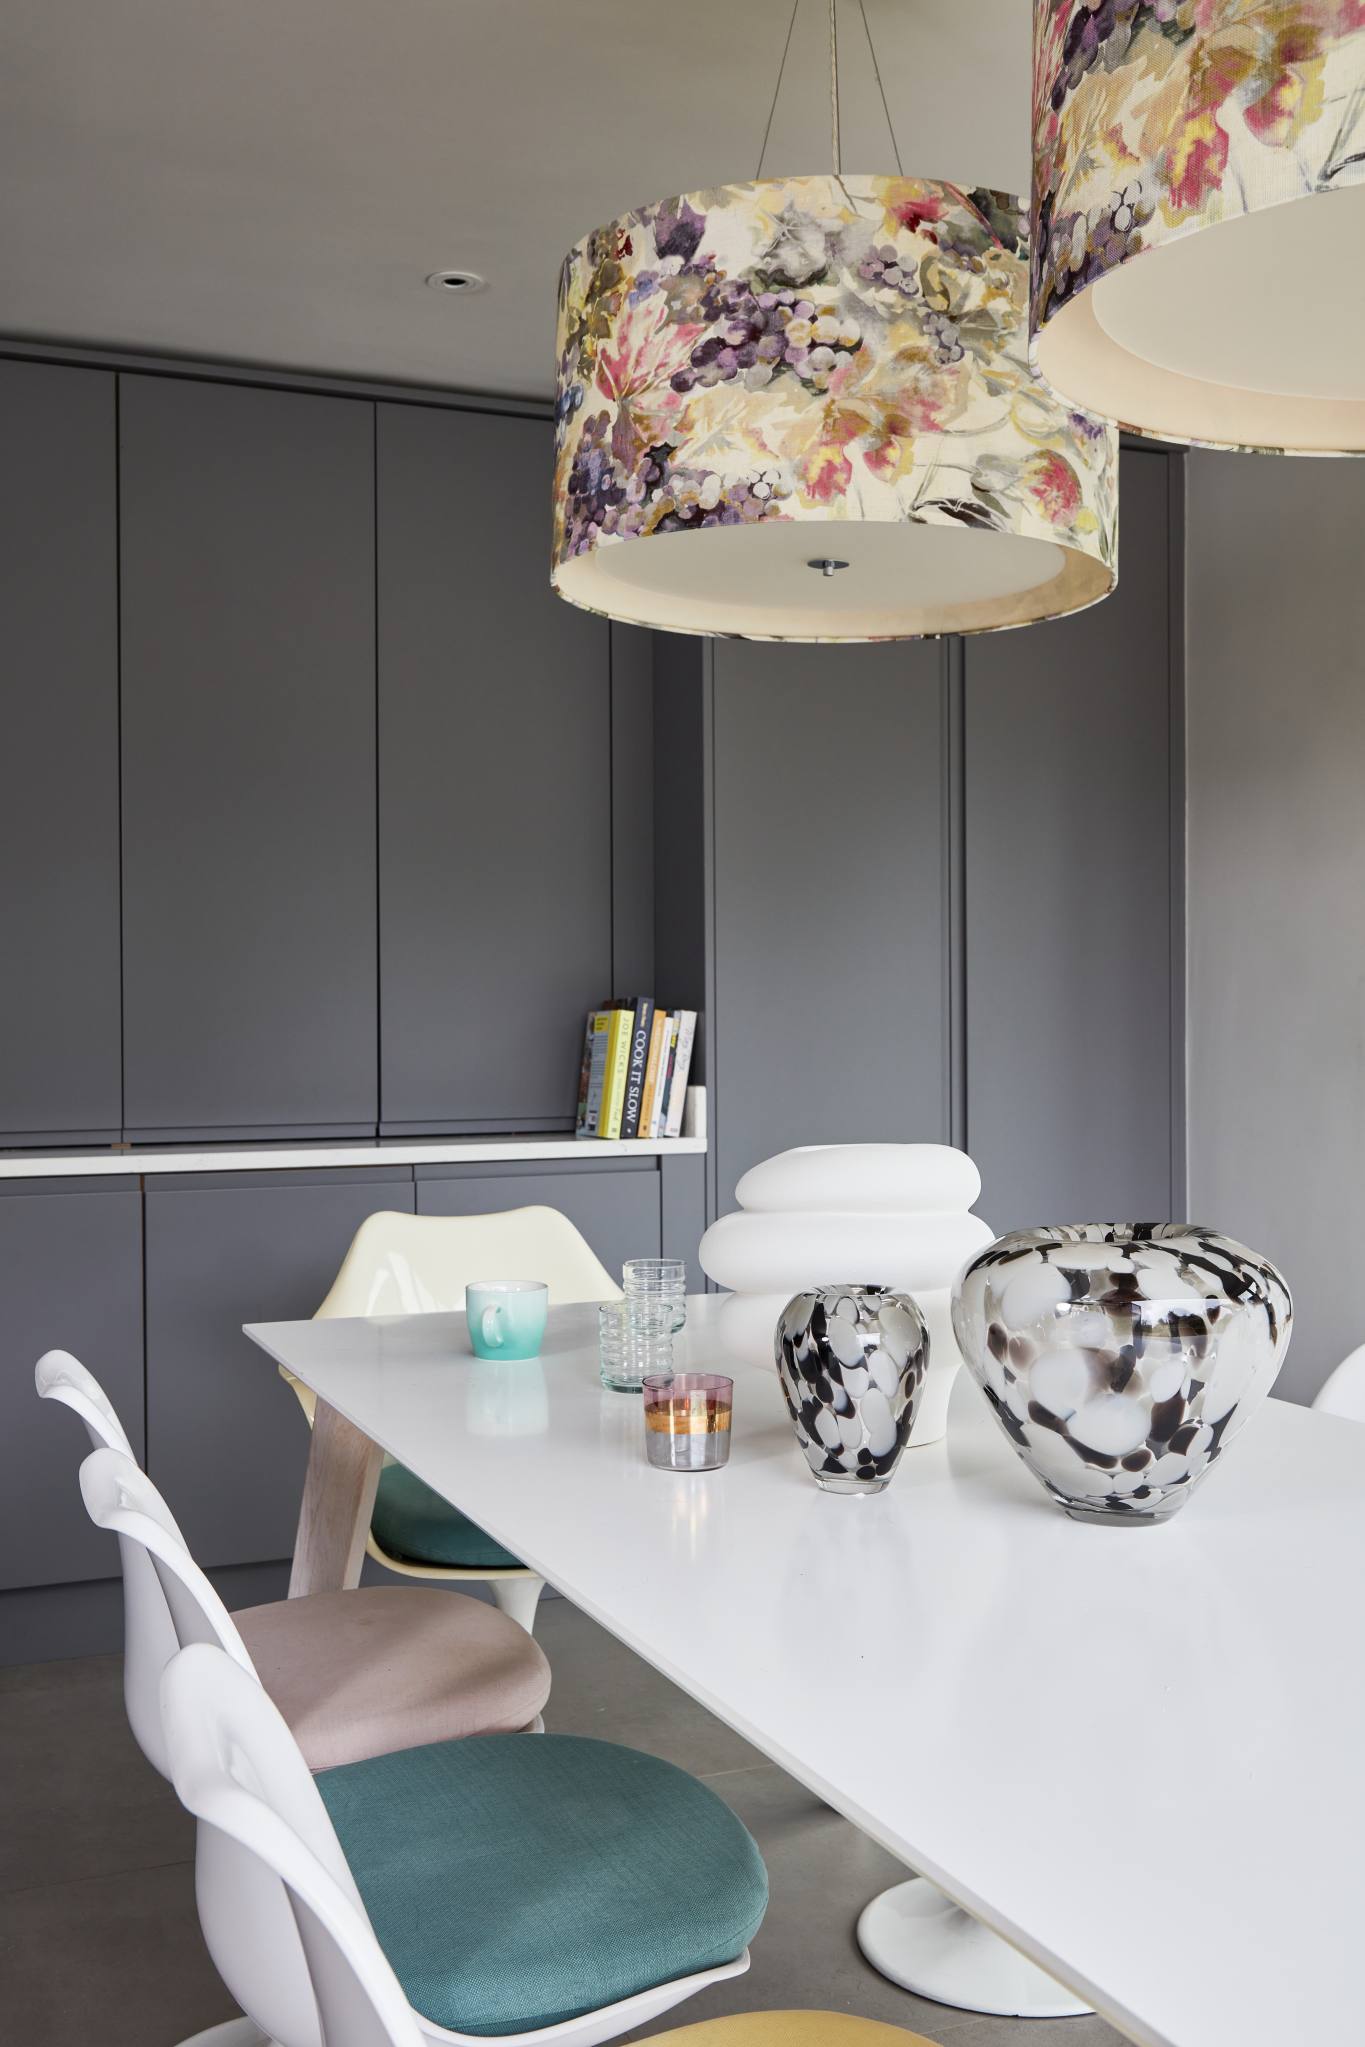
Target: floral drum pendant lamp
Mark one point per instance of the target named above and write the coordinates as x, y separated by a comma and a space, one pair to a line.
803, 409
1199, 217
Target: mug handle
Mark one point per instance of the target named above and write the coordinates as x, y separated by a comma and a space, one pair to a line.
493, 1337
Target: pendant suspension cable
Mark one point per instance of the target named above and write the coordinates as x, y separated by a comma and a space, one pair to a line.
877, 73
763, 151
834, 84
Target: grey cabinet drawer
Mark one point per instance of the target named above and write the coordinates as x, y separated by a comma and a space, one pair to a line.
226, 1439
70, 1279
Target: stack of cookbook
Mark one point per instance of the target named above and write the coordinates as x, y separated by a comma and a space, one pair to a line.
633, 1080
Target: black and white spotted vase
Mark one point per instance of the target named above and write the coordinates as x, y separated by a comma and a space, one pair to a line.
1121, 1360
852, 1360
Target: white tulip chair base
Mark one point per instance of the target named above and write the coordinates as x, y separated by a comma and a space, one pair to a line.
915, 1935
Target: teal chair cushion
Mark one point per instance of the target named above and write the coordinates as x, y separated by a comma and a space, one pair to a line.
416, 1525
518, 1880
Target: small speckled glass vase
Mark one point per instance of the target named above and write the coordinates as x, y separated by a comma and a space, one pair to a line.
1121, 1360
852, 1360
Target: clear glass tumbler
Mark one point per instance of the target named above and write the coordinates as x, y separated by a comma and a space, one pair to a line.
634, 1340
687, 1420
658, 1279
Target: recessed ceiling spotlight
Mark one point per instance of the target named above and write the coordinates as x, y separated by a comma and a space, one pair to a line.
465, 281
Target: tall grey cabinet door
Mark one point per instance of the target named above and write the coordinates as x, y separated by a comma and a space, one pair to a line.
70, 1279
1071, 764
494, 782
226, 1437
830, 1018
59, 848
248, 760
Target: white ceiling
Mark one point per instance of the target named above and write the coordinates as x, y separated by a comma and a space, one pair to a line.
270, 181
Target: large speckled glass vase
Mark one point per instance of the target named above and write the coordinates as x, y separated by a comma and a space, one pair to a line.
852, 1360
1121, 1360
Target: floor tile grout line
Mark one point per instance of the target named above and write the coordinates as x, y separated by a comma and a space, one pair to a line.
103, 1876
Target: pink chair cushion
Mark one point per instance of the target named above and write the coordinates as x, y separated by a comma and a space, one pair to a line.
363, 1673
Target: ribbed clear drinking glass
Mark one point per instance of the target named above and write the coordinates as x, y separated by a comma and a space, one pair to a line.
658, 1279
635, 1342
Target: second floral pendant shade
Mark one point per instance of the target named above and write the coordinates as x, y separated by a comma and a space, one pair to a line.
1199, 217
813, 397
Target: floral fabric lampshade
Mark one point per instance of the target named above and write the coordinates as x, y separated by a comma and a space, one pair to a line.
802, 409
1199, 217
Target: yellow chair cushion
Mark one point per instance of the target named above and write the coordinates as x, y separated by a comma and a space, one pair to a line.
793, 2029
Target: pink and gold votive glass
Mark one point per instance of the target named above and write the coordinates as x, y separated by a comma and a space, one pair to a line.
687, 1420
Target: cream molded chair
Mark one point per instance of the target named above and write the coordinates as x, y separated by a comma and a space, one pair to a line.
1344, 1392
421, 1265
347, 1898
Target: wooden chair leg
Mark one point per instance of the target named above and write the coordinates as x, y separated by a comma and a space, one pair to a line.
338, 1499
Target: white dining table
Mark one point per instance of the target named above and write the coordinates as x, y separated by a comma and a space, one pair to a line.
1138, 1753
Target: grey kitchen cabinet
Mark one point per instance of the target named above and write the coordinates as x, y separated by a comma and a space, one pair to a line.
247, 537
226, 1438
70, 1279
830, 1013
1074, 816
615, 1203
60, 1077
495, 782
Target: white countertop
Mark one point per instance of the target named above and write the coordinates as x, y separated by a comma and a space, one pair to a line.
280, 1158
1135, 1752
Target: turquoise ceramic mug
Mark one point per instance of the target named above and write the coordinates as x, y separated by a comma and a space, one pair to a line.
506, 1317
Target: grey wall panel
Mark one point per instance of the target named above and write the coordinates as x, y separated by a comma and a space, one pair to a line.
615, 1205
70, 1279
680, 828
632, 811
226, 1439
1069, 826
59, 846
1276, 901
248, 759
829, 1010
495, 782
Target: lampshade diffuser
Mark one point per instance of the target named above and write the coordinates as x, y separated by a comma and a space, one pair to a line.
811, 397
1199, 217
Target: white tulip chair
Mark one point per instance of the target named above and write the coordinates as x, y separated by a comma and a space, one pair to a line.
283, 1911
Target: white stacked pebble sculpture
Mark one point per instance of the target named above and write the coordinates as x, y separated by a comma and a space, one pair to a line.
889, 1215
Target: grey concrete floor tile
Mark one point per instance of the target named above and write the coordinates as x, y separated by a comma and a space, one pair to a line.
66, 1675
602, 1688
117, 1961
77, 1797
1089, 2032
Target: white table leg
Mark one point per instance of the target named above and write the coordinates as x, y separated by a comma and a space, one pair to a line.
920, 1939
338, 1499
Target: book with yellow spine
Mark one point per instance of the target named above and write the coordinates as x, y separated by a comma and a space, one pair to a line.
658, 1039
618, 1064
